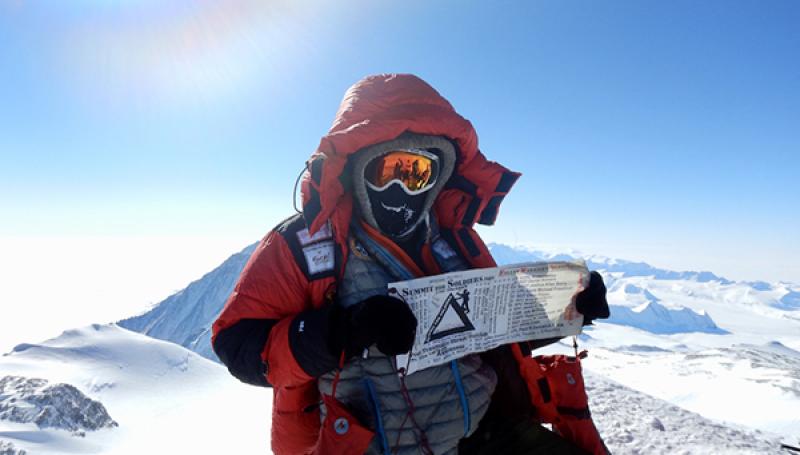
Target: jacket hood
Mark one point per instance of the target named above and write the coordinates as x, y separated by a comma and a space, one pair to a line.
380, 108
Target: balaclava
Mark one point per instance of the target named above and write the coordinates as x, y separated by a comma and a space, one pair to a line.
392, 209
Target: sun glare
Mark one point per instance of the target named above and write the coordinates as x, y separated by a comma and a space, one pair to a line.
207, 50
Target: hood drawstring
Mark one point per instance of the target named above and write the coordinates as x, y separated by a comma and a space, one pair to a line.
294, 191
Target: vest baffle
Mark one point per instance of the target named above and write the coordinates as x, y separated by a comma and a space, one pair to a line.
371, 388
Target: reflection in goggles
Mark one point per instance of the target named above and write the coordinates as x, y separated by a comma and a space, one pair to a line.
412, 169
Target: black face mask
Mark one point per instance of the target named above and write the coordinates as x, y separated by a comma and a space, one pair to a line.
395, 211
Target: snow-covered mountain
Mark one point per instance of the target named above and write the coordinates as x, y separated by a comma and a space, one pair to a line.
726, 350
163, 398
639, 308
170, 400
679, 345
505, 254
185, 317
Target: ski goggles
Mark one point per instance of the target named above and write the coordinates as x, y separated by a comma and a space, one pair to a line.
415, 169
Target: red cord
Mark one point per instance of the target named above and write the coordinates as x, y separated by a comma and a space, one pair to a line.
423, 438
338, 372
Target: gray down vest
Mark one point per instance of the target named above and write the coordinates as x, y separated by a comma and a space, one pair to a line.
449, 399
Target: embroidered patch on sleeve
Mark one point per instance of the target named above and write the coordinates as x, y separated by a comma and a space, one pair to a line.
324, 233
358, 250
319, 257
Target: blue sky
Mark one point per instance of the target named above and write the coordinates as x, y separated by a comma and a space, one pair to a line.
658, 131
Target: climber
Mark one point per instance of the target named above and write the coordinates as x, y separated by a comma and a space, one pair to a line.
392, 193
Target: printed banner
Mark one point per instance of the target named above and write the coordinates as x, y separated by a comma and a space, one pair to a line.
461, 313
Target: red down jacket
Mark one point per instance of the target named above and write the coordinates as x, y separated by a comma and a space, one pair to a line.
282, 279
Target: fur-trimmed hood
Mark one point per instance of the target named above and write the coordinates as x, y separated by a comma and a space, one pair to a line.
380, 108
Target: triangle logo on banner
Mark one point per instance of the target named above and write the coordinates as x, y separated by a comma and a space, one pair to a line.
452, 318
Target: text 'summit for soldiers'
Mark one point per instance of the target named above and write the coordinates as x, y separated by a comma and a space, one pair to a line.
471, 311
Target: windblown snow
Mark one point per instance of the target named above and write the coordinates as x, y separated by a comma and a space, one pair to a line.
690, 362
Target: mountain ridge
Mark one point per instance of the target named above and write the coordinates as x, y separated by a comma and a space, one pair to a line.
185, 317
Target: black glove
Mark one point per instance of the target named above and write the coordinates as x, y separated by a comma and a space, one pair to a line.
382, 320
591, 302
318, 337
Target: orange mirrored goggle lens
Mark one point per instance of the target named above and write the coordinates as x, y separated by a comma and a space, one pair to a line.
413, 170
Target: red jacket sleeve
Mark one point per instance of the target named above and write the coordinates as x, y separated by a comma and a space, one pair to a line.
271, 290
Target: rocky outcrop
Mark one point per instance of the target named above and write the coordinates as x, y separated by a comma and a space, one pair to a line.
7, 448
59, 406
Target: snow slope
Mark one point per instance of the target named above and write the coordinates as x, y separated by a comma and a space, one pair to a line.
632, 422
727, 350
167, 399
185, 318
164, 398
757, 385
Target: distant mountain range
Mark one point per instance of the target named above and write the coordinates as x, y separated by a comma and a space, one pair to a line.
185, 318
505, 254
722, 349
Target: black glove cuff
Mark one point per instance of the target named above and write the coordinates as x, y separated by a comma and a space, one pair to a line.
310, 340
